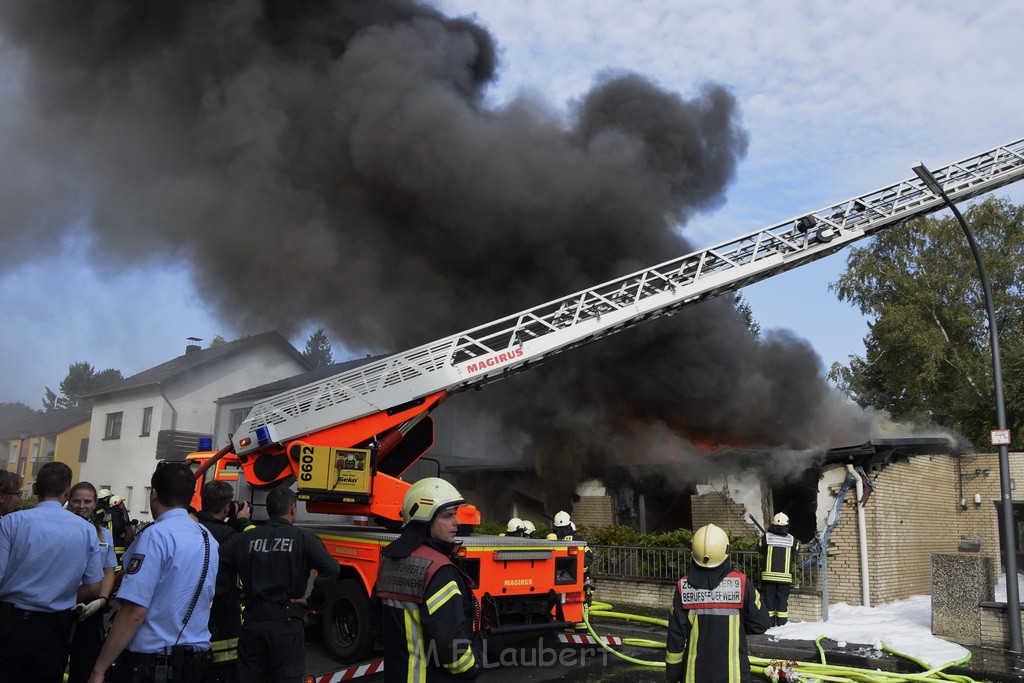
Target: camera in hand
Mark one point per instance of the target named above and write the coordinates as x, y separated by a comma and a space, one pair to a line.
234, 507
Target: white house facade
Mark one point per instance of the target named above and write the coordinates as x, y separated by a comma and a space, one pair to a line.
162, 412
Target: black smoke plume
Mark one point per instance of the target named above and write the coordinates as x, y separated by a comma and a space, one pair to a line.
337, 162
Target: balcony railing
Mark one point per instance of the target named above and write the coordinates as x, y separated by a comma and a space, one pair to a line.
669, 564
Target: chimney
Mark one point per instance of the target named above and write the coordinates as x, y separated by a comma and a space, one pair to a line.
193, 345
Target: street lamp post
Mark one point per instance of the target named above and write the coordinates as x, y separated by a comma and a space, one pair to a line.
1006, 504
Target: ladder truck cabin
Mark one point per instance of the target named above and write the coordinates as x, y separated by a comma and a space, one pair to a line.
345, 441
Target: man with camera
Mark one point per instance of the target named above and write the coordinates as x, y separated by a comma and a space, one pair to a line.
224, 518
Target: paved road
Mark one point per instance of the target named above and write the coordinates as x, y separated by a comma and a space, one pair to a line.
544, 660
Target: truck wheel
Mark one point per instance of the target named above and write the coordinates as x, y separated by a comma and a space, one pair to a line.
348, 622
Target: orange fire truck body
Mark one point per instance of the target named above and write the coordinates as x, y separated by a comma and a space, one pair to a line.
522, 585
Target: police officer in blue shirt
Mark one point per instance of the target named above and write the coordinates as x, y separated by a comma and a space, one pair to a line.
49, 560
160, 632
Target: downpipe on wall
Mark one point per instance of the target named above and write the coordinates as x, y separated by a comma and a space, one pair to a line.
862, 537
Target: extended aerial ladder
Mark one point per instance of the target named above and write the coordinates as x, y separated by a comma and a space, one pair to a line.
381, 406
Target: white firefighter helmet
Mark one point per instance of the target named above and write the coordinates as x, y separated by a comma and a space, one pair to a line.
514, 524
780, 519
710, 546
103, 493
116, 500
426, 498
529, 528
562, 518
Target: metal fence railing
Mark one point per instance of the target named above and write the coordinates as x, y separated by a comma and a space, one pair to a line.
668, 564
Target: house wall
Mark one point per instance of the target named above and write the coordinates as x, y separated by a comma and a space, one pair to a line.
189, 407
593, 510
714, 508
68, 446
910, 515
981, 523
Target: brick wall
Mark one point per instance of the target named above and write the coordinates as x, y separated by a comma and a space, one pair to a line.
982, 522
995, 626
713, 508
910, 515
593, 510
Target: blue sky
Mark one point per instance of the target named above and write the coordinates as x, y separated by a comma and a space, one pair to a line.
838, 98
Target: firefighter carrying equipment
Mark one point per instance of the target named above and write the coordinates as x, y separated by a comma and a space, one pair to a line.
710, 546
426, 498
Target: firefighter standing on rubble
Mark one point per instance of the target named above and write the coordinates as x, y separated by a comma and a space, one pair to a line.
427, 608
713, 610
778, 551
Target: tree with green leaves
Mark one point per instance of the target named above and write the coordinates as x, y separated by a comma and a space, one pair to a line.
927, 354
81, 380
747, 313
318, 349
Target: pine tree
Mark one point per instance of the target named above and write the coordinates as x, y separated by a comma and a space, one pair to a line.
318, 349
82, 379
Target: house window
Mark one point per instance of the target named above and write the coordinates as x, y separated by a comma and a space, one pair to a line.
236, 417
113, 426
128, 498
83, 450
145, 500
147, 420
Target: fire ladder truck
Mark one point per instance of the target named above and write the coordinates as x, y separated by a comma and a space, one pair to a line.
345, 441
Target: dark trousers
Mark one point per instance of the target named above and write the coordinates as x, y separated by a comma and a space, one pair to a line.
776, 599
34, 646
85, 648
134, 667
272, 651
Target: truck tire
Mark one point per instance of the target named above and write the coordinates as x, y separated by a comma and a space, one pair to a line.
348, 622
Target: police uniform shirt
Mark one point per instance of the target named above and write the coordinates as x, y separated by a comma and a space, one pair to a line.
108, 560
46, 553
161, 572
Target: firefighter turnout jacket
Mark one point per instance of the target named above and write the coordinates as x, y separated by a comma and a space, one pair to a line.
225, 617
712, 611
778, 550
427, 617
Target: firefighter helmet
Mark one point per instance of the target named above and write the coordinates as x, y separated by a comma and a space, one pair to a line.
514, 524
710, 546
426, 498
103, 493
528, 528
780, 519
116, 500
562, 518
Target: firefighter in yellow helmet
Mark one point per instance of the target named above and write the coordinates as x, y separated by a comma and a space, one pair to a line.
713, 609
778, 552
427, 608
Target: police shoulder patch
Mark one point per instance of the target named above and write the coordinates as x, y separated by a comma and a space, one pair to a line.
134, 564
